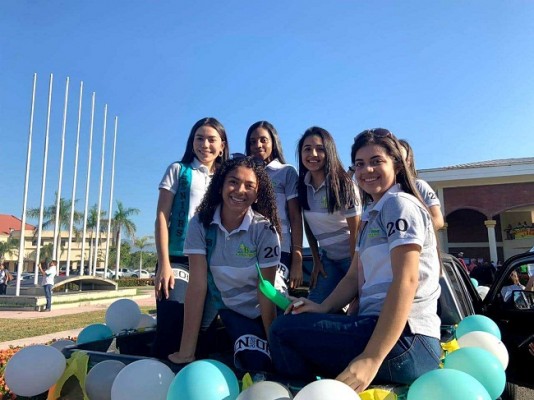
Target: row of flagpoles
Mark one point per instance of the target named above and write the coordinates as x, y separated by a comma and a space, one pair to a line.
56, 242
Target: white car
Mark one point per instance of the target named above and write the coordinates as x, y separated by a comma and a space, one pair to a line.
135, 274
123, 273
100, 272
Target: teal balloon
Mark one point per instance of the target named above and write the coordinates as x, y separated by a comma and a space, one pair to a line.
93, 333
204, 380
481, 365
474, 282
478, 323
447, 384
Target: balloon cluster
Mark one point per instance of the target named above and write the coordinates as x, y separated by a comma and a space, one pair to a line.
474, 371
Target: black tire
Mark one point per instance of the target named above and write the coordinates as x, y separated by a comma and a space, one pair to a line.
510, 392
135, 276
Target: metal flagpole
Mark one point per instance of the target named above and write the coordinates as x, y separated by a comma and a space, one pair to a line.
111, 200
58, 193
95, 257
43, 180
88, 180
73, 197
25, 195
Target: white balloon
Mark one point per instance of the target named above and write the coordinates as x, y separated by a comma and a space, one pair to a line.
482, 291
488, 342
327, 389
146, 321
266, 390
123, 314
142, 379
61, 344
100, 379
34, 369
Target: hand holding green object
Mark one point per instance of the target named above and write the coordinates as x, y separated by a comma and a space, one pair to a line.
271, 293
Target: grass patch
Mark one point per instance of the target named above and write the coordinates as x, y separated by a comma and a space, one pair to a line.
13, 329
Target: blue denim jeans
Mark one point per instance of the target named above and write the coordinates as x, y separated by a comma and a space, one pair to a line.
335, 271
48, 295
306, 345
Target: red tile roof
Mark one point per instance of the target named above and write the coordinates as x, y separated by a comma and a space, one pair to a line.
10, 222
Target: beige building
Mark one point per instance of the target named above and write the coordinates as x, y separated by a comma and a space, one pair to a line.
10, 227
488, 207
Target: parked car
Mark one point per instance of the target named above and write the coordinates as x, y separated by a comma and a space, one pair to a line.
135, 274
123, 272
102, 273
459, 299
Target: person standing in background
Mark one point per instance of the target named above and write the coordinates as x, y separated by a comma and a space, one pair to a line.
4, 278
263, 142
49, 275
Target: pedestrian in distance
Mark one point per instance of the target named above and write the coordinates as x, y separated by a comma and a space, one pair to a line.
49, 275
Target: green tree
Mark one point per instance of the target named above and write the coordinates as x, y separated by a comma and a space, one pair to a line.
92, 222
122, 220
49, 218
8, 246
142, 243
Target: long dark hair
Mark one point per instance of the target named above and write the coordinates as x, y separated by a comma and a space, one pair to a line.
189, 154
409, 156
266, 201
340, 191
385, 139
275, 139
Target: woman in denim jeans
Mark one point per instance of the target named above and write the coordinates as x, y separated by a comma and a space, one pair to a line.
331, 208
394, 335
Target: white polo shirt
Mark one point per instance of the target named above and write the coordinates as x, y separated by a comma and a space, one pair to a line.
234, 258
427, 193
331, 230
284, 178
200, 179
398, 219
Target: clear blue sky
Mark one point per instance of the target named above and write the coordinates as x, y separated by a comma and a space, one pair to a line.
455, 78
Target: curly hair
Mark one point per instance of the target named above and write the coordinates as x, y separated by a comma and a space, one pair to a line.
385, 139
265, 203
277, 152
340, 192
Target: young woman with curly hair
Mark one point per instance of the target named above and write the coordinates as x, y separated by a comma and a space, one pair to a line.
232, 235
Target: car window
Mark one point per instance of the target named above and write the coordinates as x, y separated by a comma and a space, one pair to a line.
459, 302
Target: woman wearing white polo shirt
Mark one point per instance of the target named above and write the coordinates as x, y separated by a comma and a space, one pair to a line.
263, 142
233, 235
180, 192
331, 208
394, 336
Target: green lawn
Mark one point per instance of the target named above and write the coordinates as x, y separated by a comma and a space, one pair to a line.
13, 329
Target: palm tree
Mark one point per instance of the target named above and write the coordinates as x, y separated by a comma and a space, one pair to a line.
8, 246
142, 243
92, 221
49, 215
121, 219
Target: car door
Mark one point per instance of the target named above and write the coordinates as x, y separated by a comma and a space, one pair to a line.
515, 318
